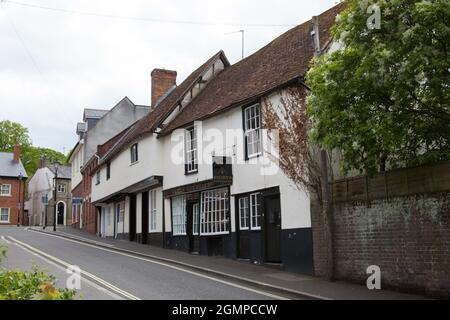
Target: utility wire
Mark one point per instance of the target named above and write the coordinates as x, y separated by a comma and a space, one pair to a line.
154, 20
22, 41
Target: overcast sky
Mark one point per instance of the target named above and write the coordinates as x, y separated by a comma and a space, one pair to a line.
55, 64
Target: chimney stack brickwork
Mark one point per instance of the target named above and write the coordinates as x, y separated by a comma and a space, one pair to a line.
162, 82
16, 153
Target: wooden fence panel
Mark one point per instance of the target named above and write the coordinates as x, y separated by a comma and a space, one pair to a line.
396, 183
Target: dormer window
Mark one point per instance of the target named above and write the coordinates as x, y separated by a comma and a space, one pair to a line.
191, 163
252, 129
134, 153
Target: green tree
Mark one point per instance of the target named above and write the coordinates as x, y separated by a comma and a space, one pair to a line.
32, 156
12, 133
382, 99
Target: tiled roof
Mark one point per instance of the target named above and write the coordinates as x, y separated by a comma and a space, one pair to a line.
150, 122
9, 168
64, 172
281, 61
103, 149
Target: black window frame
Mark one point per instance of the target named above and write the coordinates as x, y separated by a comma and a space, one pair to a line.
195, 163
108, 171
134, 154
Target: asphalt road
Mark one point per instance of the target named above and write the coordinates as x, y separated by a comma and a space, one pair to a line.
112, 275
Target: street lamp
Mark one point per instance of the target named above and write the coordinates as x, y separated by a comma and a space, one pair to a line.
19, 204
56, 165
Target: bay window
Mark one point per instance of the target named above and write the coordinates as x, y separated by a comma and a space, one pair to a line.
214, 212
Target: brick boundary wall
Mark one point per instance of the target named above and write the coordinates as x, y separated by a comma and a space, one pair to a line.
408, 237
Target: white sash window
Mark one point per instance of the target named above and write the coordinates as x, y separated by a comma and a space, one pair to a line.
244, 213
4, 215
152, 220
179, 216
214, 212
5, 190
252, 128
191, 150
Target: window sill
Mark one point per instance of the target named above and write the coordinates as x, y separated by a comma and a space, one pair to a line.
6, 196
215, 234
179, 235
254, 156
191, 173
134, 163
5, 222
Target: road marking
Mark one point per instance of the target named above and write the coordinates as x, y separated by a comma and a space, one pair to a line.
6, 240
77, 238
85, 273
87, 281
270, 295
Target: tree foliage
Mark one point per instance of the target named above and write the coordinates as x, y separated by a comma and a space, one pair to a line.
383, 97
12, 133
33, 285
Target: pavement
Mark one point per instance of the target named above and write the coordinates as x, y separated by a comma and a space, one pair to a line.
275, 282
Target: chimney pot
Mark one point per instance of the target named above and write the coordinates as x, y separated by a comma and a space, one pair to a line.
162, 81
16, 153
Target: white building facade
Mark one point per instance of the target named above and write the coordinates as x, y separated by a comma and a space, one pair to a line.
199, 172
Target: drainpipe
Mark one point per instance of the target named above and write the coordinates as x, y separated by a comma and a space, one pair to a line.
163, 222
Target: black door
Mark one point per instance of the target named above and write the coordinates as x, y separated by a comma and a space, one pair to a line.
133, 218
60, 213
273, 228
145, 213
193, 223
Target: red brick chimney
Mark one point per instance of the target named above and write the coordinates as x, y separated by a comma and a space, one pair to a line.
162, 82
16, 153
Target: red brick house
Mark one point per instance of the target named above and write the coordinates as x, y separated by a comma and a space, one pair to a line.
12, 188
